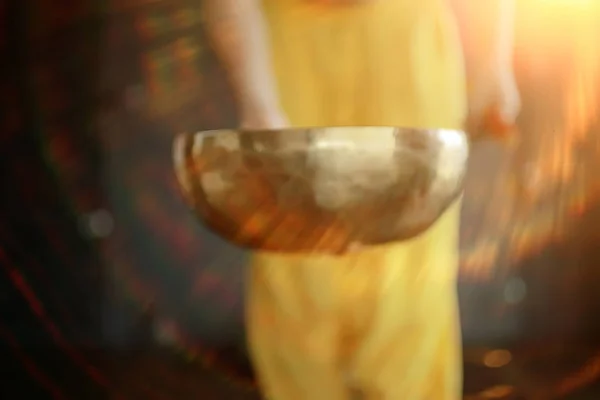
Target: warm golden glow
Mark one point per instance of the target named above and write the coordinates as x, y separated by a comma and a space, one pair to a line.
497, 392
497, 358
546, 181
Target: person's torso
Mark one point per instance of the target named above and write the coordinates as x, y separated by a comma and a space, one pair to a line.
338, 8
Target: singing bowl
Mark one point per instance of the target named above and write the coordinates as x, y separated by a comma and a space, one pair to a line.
322, 190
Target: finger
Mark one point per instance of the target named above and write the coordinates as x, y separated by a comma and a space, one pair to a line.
496, 124
510, 108
508, 115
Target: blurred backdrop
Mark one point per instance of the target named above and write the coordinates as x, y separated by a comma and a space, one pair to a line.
100, 254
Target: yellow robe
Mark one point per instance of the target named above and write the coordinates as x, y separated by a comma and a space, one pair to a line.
384, 321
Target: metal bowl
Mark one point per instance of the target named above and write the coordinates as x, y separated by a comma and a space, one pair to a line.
320, 189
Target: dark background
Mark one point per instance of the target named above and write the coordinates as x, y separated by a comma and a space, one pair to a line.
110, 288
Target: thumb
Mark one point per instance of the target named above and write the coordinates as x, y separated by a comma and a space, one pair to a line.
499, 122
509, 112
510, 105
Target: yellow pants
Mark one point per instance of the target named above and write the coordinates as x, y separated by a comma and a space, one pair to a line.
383, 320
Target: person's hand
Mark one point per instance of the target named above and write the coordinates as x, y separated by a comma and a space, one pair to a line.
263, 118
494, 101
340, 2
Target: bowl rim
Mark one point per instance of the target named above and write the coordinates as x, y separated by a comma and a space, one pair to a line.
461, 132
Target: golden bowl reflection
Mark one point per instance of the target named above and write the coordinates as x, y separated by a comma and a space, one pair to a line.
320, 189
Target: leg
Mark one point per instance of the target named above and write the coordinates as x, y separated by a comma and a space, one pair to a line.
419, 362
410, 346
292, 327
